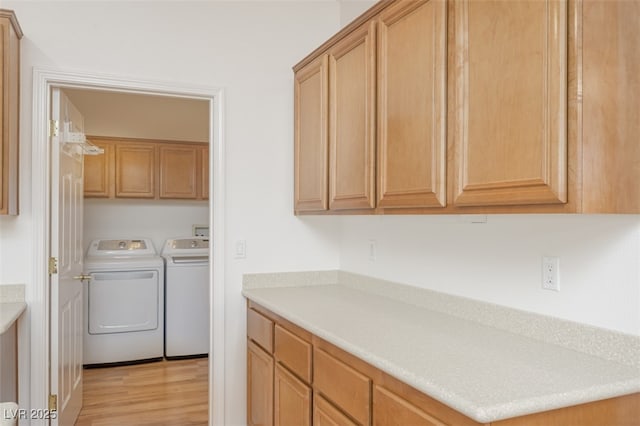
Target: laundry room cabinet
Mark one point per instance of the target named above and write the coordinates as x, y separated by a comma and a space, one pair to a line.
10, 35
204, 172
99, 181
135, 170
147, 169
178, 171
480, 107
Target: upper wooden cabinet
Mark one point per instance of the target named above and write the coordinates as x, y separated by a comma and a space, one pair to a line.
510, 102
135, 168
352, 120
10, 35
412, 64
178, 171
99, 181
311, 142
610, 89
481, 107
204, 170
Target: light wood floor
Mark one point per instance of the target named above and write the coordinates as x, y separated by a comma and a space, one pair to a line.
158, 393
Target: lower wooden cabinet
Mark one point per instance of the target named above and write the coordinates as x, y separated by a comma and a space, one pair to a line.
346, 387
259, 386
292, 399
295, 378
293, 352
325, 414
391, 409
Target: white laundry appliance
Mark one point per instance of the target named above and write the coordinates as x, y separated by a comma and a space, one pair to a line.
186, 297
123, 302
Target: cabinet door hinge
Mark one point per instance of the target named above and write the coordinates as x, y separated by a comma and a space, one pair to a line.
53, 402
53, 265
54, 128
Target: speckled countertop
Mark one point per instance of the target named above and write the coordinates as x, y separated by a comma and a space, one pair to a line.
12, 305
484, 372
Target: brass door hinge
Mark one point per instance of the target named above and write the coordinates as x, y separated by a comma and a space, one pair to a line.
53, 402
54, 128
53, 265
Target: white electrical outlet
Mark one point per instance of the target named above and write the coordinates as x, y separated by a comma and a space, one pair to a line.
551, 273
372, 250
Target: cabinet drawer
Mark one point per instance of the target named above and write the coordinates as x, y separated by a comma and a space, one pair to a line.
347, 388
391, 409
260, 329
293, 352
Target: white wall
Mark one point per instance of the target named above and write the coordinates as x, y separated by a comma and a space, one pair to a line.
157, 220
248, 48
351, 9
500, 261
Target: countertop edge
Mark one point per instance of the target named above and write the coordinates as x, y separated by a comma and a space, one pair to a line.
10, 312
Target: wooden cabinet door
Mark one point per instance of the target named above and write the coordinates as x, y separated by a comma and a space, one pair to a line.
352, 121
204, 173
10, 35
311, 143
178, 171
325, 414
412, 58
98, 172
510, 102
259, 386
135, 170
292, 400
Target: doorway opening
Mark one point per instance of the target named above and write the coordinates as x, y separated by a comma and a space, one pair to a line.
44, 82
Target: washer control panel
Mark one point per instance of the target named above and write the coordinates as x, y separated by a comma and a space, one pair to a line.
122, 247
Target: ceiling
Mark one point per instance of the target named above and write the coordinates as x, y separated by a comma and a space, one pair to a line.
144, 116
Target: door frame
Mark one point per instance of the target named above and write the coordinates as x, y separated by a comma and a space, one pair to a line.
43, 80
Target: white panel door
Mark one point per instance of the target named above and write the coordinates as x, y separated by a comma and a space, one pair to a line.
66, 246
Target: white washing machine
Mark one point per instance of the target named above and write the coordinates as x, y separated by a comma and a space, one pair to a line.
123, 302
186, 297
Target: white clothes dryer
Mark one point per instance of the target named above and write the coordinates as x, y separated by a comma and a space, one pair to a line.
123, 302
186, 297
